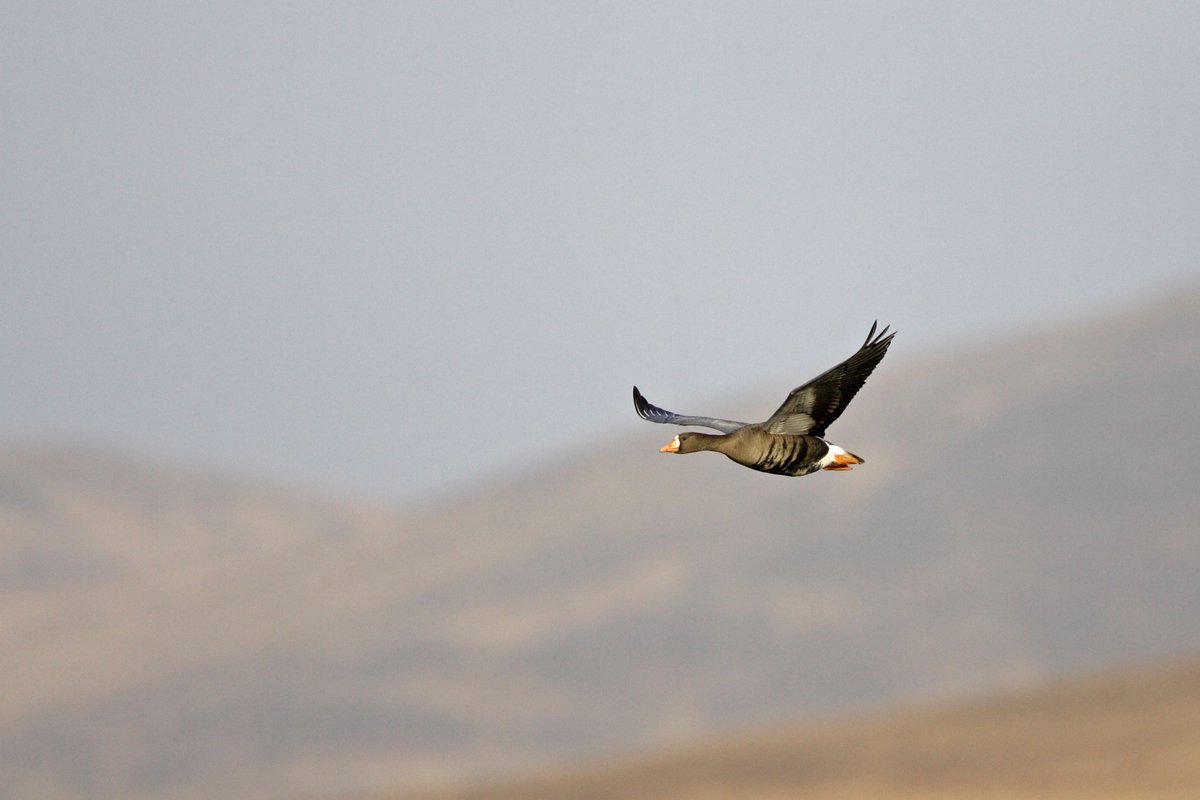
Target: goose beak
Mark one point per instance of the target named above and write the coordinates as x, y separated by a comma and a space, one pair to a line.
670, 447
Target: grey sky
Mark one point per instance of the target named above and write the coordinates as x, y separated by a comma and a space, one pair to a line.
394, 247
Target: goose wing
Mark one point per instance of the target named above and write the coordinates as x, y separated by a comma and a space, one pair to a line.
813, 407
653, 413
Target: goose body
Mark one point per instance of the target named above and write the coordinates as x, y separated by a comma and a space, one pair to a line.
792, 440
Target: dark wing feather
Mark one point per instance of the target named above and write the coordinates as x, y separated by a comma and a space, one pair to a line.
813, 407
656, 414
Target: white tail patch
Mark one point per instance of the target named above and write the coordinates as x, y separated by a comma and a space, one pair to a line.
838, 459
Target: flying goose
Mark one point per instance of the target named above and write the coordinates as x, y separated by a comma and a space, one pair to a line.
792, 440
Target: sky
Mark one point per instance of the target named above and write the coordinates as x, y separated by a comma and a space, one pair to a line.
396, 249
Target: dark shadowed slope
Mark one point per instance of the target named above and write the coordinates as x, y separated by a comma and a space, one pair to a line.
1027, 508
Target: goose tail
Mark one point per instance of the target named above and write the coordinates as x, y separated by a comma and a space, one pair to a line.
838, 460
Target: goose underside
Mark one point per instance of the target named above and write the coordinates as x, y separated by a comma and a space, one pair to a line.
795, 456
792, 455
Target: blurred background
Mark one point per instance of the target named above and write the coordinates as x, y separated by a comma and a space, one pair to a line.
319, 475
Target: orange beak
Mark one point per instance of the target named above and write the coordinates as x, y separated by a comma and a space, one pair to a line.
670, 447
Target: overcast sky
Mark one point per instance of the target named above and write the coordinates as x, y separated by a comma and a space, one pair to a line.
394, 248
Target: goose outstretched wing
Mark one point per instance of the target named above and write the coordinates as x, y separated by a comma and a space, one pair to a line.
653, 413
813, 407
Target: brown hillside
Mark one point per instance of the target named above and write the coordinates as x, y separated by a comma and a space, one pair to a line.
1132, 735
1028, 508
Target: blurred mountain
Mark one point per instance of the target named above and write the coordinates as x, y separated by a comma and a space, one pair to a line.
1028, 508
1135, 733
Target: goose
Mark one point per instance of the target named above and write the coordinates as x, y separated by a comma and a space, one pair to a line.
792, 440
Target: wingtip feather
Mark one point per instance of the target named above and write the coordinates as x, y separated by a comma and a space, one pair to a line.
641, 405
874, 325
883, 337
